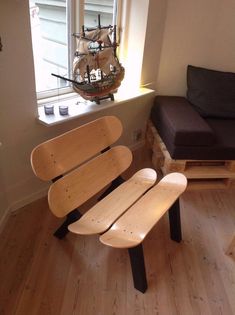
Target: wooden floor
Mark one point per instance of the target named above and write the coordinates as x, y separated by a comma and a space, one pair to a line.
42, 275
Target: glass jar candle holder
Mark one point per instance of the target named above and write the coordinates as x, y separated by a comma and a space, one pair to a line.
49, 109
63, 110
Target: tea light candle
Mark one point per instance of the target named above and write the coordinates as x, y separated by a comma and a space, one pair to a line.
49, 109
63, 109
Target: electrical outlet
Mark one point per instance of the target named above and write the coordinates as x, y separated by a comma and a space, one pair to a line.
137, 135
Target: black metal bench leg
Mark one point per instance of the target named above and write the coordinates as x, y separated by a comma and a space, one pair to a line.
115, 183
175, 224
138, 268
62, 231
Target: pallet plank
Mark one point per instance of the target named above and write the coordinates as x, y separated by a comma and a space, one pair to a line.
202, 174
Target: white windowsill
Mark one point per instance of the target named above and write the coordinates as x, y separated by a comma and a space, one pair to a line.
78, 107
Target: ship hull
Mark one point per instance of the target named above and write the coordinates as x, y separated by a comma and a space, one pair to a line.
91, 91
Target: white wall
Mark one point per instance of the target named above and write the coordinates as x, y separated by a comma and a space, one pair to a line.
197, 32
134, 23
141, 41
153, 42
18, 110
19, 130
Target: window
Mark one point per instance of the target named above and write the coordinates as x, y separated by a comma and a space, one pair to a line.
52, 25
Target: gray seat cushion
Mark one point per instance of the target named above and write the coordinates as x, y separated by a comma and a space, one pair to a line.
188, 137
177, 121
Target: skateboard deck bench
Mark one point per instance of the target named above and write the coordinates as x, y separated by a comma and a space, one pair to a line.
81, 163
132, 225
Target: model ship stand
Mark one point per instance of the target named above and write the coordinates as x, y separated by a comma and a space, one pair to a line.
98, 99
97, 72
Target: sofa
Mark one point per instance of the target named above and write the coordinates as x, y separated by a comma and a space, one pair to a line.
201, 125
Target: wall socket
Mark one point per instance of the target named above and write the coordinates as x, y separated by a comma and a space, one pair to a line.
137, 135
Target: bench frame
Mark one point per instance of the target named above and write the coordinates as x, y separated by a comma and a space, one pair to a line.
80, 164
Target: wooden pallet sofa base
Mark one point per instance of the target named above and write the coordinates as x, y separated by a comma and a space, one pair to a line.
201, 174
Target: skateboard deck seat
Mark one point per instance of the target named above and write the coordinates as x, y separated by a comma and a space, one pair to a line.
100, 217
134, 225
127, 215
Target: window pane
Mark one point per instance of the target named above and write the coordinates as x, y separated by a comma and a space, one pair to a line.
94, 7
51, 38
50, 42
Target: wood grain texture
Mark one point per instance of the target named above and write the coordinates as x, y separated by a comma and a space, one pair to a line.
73, 189
99, 218
231, 248
41, 275
61, 154
134, 225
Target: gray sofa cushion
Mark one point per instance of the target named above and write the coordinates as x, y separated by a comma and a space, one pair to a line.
212, 93
179, 123
186, 136
223, 149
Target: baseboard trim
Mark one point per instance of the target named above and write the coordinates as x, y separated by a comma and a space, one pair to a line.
4, 219
17, 206
27, 200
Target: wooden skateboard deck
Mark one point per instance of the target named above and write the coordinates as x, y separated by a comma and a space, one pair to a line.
61, 154
75, 188
133, 226
100, 217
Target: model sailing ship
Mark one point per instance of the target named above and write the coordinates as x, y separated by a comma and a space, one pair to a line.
97, 72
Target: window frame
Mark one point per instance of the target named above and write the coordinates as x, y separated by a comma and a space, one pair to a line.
75, 20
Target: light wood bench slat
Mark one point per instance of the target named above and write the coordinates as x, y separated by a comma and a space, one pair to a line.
100, 217
131, 229
63, 153
75, 188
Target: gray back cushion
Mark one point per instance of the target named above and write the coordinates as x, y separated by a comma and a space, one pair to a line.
212, 93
